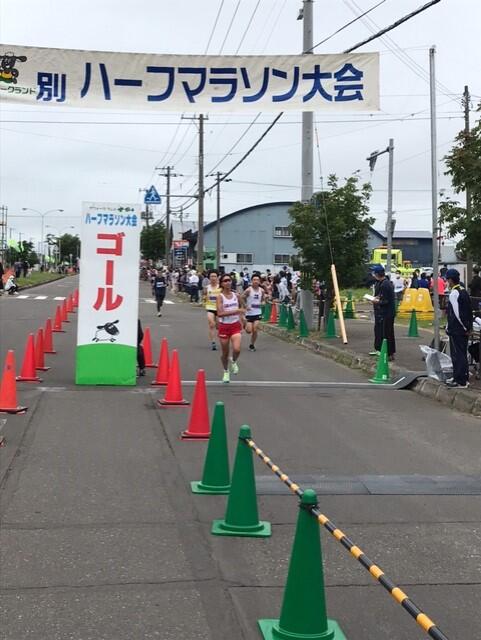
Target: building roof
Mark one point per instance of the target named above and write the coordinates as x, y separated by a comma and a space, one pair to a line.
251, 208
421, 235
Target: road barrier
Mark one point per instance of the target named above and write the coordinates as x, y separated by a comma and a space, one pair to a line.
376, 572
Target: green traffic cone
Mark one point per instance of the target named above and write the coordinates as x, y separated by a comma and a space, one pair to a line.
349, 310
291, 323
303, 328
283, 316
303, 613
241, 516
266, 312
382, 370
413, 325
331, 327
216, 476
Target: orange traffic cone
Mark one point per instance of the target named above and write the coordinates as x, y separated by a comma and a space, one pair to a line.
48, 338
57, 324
28, 372
173, 393
64, 312
39, 352
70, 304
199, 424
75, 298
273, 318
147, 344
162, 375
8, 387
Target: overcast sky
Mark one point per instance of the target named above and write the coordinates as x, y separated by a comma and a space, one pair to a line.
53, 165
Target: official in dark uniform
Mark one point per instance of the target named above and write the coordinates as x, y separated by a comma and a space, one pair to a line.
460, 324
384, 312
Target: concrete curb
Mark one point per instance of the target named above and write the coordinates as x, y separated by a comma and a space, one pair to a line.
462, 400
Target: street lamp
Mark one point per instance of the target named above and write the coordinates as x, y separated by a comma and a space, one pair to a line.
42, 215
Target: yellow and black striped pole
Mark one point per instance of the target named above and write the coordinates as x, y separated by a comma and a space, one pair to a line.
376, 572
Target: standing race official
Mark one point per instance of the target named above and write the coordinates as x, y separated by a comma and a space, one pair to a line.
384, 313
460, 323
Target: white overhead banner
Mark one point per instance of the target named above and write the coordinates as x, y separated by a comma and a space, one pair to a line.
109, 294
142, 81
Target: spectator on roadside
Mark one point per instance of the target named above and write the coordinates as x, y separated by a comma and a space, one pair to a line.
140, 350
384, 313
10, 286
423, 282
460, 322
399, 285
2, 273
17, 267
414, 280
475, 290
25, 268
194, 286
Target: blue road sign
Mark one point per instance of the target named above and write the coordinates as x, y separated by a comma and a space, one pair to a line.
152, 196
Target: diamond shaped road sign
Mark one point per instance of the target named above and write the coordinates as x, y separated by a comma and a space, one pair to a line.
152, 196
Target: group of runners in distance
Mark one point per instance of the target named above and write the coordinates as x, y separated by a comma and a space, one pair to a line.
228, 312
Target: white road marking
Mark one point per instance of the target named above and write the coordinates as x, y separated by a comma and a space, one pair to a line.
168, 302
40, 297
150, 301
22, 297
59, 298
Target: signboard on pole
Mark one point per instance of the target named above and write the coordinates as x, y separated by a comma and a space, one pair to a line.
332, 83
109, 296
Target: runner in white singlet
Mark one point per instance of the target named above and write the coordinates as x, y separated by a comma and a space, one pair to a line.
253, 297
229, 312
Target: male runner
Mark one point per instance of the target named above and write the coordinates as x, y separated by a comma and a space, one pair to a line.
252, 298
229, 312
210, 293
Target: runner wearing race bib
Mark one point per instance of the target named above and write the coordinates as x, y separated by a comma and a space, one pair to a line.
253, 298
229, 327
210, 303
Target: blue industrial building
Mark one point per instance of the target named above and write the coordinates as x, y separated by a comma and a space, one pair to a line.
258, 237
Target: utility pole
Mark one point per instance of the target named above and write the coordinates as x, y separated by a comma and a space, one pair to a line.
200, 223
167, 173
469, 260
218, 177
434, 194
307, 188
200, 194
3, 231
390, 223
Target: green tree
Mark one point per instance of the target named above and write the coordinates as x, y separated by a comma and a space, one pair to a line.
152, 241
21, 251
339, 214
464, 166
69, 245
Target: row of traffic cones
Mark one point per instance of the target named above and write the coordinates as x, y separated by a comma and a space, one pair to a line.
285, 318
34, 357
303, 612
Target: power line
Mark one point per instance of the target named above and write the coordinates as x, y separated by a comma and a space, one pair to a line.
348, 24
248, 26
373, 118
230, 25
215, 25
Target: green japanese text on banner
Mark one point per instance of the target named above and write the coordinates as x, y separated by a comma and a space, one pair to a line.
340, 82
109, 294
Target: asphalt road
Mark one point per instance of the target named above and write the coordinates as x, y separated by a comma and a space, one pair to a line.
101, 538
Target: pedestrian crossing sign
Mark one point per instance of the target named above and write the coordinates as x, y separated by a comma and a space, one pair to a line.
152, 196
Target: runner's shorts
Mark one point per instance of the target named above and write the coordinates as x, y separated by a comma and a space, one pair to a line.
227, 330
253, 318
